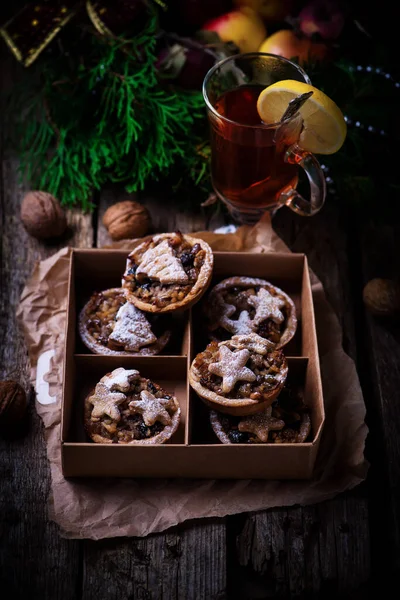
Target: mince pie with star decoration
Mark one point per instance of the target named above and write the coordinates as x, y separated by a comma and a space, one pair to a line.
286, 421
248, 305
168, 272
125, 408
240, 376
108, 324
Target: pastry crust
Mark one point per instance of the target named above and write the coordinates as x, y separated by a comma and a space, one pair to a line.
279, 433
218, 310
264, 387
98, 348
117, 428
197, 289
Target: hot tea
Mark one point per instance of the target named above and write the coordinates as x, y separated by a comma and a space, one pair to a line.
248, 167
256, 160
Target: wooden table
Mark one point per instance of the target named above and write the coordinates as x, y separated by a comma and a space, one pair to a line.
342, 548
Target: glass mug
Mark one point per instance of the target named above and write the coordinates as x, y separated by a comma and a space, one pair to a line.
255, 166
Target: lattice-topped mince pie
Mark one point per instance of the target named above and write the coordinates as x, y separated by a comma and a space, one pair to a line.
170, 271
125, 408
240, 376
108, 324
286, 421
246, 305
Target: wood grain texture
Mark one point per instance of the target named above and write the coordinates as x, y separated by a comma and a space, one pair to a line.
185, 563
32, 555
164, 216
304, 552
379, 255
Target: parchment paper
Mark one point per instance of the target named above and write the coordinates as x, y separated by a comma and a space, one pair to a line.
101, 508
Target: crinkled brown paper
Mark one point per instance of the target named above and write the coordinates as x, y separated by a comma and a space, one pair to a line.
126, 507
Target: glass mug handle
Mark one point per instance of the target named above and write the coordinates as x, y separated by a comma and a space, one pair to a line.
291, 198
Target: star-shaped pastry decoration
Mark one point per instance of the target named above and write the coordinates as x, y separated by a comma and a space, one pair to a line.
152, 409
217, 311
267, 307
261, 424
241, 326
106, 403
120, 379
252, 342
231, 367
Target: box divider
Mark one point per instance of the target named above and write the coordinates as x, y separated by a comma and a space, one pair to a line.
188, 388
69, 345
310, 343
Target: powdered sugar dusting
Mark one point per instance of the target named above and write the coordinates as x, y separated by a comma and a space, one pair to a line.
132, 329
241, 326
252, 341
267, 307
261, 424
231, 367
161, 263
152, 409
106, 402
120, 379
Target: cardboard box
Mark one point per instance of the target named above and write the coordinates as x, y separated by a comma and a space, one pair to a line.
194, 451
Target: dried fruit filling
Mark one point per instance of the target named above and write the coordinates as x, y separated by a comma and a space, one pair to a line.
101, 313
131, 425
267, 370
239, 298
289, 407
151, 290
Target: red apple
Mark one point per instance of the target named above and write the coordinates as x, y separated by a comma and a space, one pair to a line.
301, 48
243, 27
323, 17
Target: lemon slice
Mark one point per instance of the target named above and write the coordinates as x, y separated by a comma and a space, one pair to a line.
324, 129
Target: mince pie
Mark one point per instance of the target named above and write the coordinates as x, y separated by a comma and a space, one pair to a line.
125, 408
286, 421
108, 324
169, 271
246, 305
240, 376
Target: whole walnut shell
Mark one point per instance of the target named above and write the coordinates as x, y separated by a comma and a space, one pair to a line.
42, 215
13, 403
382, 297
127, 219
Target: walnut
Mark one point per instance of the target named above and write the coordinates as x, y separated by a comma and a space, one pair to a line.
127, 219
382, 297
13, 404
42, 215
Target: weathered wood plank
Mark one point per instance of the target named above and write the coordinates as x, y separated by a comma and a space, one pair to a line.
34, 560
186, 563
164, 216
309, 552
379, 249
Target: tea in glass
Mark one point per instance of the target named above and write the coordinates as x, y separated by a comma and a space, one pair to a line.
255, 165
